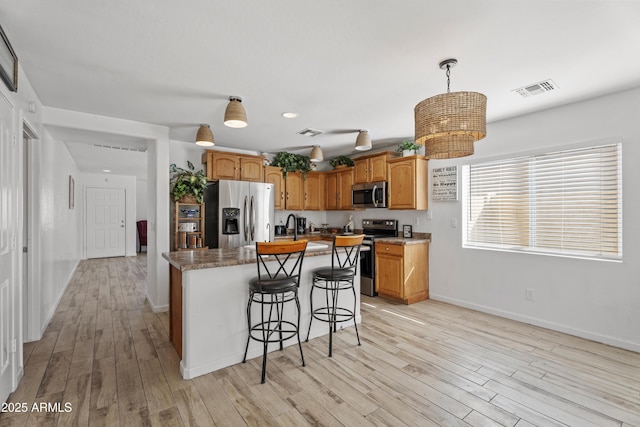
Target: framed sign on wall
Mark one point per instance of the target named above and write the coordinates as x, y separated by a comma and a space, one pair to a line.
8, 63
445, 183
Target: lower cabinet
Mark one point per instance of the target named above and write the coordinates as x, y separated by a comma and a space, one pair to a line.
402, 271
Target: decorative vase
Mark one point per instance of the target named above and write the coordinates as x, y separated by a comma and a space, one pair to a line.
406, 153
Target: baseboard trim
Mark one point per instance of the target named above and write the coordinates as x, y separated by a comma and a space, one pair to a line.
54, 307
157, 308
604, 339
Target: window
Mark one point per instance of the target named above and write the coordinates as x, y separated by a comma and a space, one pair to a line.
562, 203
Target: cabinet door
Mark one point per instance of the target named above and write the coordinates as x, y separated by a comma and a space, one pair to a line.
389, 275
251, 169
331, 185
361, 171
225, 166
416, 271
345, 182
402, 185
273, 175
314, 191
378, 168
294, 191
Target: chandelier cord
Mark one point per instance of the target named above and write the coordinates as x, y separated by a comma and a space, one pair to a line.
448, 78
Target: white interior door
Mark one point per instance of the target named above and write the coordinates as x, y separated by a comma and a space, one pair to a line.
106, 224
7, 246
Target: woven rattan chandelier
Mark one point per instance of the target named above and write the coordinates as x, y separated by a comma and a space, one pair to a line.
448, 124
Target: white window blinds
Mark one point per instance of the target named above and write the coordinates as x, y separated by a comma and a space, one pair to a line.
565, 203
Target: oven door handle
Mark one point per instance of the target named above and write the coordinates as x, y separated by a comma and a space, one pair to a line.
374, 193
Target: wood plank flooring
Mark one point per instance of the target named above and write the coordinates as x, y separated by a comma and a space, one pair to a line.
428, 364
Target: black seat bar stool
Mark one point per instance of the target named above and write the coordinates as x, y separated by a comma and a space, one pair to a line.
335, 279
279, 267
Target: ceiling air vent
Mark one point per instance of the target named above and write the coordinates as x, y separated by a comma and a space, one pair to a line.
310, 132
112, 147
537, 88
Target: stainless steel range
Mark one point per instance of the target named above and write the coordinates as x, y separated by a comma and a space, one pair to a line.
372, 229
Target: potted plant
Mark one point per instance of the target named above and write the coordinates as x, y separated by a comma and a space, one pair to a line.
407, 148
290, 162
341, 161
187, 183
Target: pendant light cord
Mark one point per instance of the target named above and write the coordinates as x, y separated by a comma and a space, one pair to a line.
448, 78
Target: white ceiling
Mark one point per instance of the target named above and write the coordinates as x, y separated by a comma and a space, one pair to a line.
341, 65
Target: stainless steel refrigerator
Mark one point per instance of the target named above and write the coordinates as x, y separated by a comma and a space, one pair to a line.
238, 213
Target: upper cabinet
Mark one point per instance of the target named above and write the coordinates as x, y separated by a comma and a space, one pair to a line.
338, 185
224, 165
371, 168
314, 194
408, 183
294, 192
273, 175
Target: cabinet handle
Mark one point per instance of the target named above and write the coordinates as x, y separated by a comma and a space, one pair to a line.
282, 195
287, 195
387, 248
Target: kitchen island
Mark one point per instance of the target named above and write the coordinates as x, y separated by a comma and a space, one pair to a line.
209, 292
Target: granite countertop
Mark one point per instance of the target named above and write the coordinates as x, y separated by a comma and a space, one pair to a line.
416, 239
214, 258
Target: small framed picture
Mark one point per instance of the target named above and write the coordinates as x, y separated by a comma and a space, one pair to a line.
72, 191
407, 231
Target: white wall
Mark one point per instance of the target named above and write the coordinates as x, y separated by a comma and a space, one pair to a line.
141, 199
594, 299
60, 227
107, 180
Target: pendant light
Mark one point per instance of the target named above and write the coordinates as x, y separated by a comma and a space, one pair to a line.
448, 124
235, 116
363, 141
316, 154
204, 137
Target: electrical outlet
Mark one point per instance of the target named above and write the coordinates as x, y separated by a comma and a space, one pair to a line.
429, 214
453, 222
416, 221
530, 294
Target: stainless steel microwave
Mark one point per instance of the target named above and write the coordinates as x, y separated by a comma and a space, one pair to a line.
370, 195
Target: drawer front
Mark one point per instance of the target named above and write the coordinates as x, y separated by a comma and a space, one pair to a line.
389, 249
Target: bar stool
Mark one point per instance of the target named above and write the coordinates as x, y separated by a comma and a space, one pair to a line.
335, 279
279, 267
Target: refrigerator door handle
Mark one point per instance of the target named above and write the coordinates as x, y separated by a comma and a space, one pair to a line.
245, 216
252, 220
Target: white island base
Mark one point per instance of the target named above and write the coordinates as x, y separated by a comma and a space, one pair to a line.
213, 314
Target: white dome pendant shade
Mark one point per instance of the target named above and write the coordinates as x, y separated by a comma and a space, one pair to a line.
235, 116
204, 137
363, 141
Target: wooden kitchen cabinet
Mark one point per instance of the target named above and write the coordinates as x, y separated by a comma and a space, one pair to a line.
239, 167
371, 168
314, 191
408, 183
402, 271
273, 175
338, 184
294, 191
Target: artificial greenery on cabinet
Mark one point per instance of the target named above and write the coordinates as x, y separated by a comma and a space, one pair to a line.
291, 162
341, 161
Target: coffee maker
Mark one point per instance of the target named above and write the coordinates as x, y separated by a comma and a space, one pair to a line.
301, 224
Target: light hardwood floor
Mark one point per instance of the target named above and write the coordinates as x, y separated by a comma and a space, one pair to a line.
427, 364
